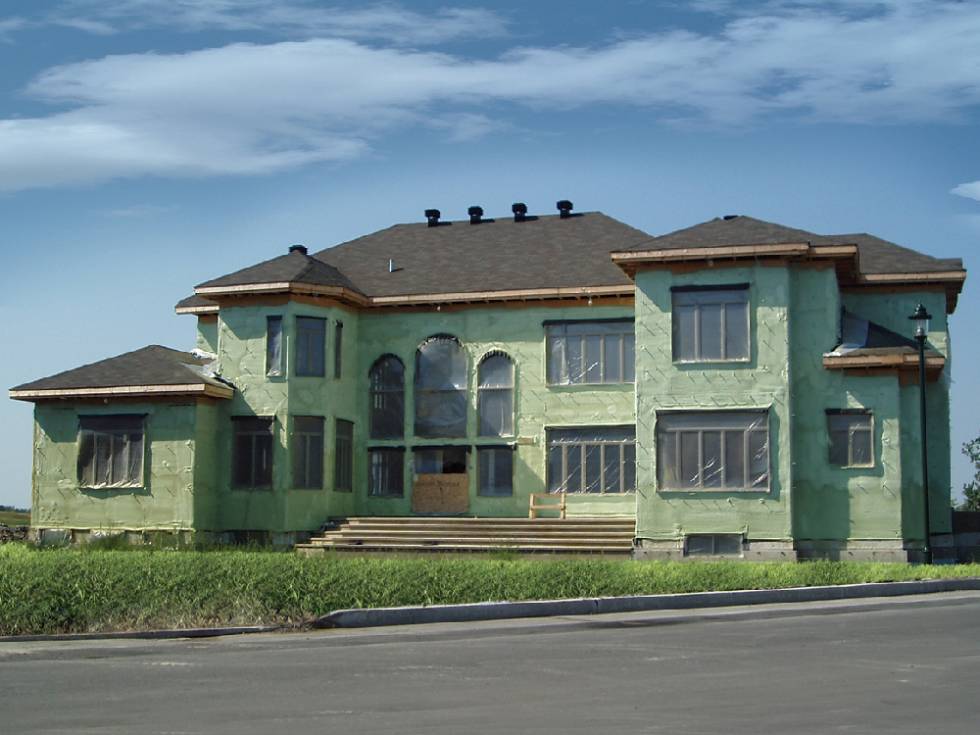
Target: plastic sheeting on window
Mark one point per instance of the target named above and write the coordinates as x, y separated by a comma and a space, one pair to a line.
591, 352
496, 396
273, 345
440, 388
710, 324
592, 459
851, 438
385, 472
496, 471
387, 379
110, 451
713, 450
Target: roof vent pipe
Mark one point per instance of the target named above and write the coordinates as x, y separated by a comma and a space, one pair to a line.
432, 216
298, 249
476, 215
564, 208
520, 211
730, 217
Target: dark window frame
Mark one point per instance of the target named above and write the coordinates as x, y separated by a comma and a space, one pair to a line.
696, 298
490, 451
311, 347
614, 451
306, 445
343, 475
259, 429
428, 396
386, 398
850, 434
388, 468
338, 350
117, 433
274, 341
484, 392
590, 335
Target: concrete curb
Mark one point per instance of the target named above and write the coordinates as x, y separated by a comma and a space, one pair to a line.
367, 618
146, 634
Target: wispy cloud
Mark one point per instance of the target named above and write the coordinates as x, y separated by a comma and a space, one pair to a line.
136, 211
255, 108
8, 26
970, 190
385, 21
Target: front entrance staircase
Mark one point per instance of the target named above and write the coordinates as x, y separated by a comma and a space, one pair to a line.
461, 535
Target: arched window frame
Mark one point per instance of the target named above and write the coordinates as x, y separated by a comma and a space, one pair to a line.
387, 398
441, 406
495, 396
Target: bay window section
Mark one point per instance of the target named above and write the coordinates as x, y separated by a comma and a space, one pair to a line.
252, 452
585, 352
311, 335
710, 324
592, 459
713, 450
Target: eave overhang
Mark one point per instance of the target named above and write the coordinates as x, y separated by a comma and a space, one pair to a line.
905, 362
128, 391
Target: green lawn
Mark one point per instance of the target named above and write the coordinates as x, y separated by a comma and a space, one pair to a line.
66, 590
14, 518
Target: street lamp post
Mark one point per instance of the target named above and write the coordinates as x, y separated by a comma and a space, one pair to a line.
921, 319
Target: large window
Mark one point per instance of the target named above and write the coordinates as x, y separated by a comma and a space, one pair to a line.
343, 473
440, 388
110, 451
273, 346
496, 471
311, 335
386, 475
590, 352
387, 378
307, 450
592, 459
710, 324
851, 438
713, 450
496, 396
252, 452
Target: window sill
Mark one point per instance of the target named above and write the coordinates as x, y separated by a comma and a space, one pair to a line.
496, 496
586, 494
714, 491
259, 488
140, 486
591, 386
386, 497
686, 363
854, 466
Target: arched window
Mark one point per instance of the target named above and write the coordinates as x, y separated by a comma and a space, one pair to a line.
387, 378
440, 388
495, 404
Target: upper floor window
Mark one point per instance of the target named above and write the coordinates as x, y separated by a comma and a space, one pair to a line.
713, 450
496, 395
311, 334
110, 451
252, 452
592, 459
338, 349
590, 351
851, 435
387, 379
273, 346
440, 388
710, 323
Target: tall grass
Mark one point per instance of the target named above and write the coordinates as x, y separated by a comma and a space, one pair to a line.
55, 591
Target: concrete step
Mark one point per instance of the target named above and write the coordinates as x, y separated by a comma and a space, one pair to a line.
551, 548
490, 533
458, 540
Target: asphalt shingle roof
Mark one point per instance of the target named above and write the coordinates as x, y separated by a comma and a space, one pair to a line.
194, 301
151, 365
294, 267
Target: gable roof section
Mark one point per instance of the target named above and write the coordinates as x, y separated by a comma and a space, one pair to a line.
149, 371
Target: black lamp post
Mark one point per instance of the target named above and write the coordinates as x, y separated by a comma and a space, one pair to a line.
921, 318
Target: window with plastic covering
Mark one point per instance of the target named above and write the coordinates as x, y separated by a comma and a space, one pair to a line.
387, 380
110, 451
307, 451
495, 404
713, 450
710, 324
590, 352
386, 475
440, 388
496, 471
273, 346
592, 459
851, 434
311, 348
252, 452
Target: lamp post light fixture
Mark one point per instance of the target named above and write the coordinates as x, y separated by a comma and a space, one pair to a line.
921, 319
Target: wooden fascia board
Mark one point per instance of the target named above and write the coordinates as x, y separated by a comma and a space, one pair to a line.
668, 255
508, 295
209, 309
201, 389
845, 362
951, 277
283, 287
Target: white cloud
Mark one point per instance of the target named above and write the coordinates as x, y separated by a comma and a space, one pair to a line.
9, 25
970, 190
389, 22
255, 108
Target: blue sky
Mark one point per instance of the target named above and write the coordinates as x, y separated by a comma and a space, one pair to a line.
147, 145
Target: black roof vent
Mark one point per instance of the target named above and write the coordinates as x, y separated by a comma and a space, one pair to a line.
476, 215
564, 208
520, 211
729, 217
298, 249
432, 216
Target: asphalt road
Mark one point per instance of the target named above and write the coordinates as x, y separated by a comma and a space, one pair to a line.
900, 666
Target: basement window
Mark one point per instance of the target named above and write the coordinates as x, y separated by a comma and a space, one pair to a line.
594, 351
252, 452
592, 459
386, 476
713, 450
851, 434
713, 544
710, 324
110, 451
